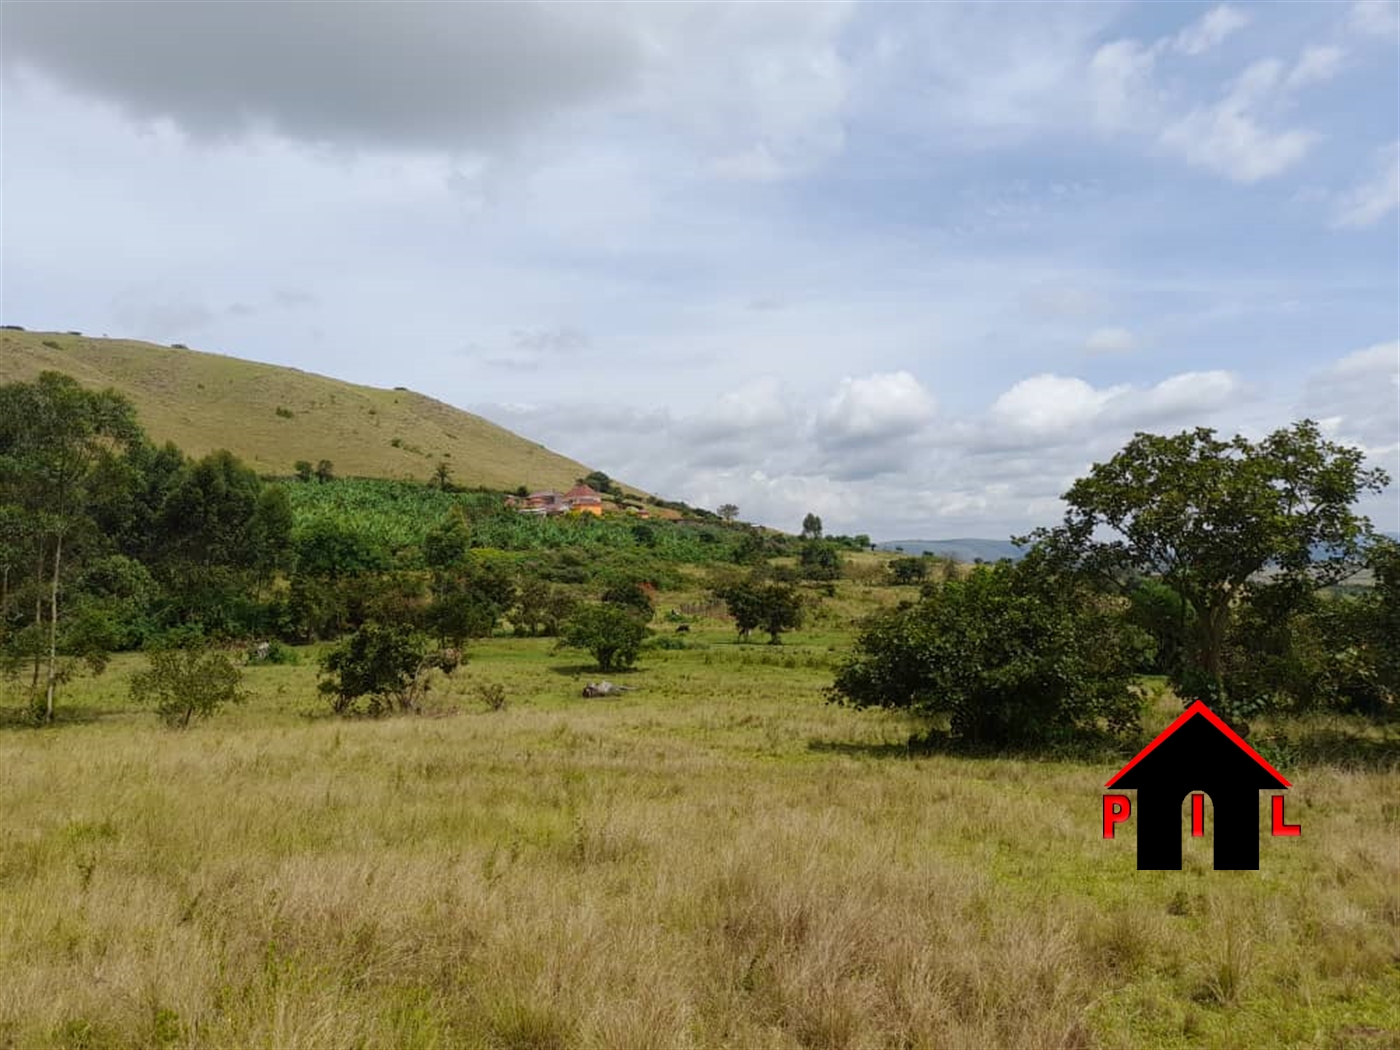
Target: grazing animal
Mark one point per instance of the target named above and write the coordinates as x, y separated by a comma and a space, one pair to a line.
683, 629
261, 651
593, 689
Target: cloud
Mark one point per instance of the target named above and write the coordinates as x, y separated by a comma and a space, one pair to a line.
1210, 30
874, 409
1229, 138
1376, 18
1049, 404
1316, 64
759, 89
1359, 397
1110, 341
407, 73
1371, 201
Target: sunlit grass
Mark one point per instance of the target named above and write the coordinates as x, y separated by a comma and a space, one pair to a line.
717, 858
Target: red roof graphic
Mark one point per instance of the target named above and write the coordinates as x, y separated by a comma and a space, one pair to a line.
1199, 708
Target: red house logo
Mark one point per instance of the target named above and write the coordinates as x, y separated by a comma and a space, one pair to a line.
1197, 753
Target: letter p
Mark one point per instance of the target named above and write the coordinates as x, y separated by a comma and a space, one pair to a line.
1116, 809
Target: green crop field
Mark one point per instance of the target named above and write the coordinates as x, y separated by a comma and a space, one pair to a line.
717, 858
270, 417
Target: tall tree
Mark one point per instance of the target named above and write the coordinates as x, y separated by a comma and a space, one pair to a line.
811, 527
56, 438
728, 511
1209, 516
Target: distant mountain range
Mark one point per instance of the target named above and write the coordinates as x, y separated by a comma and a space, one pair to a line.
964, 550
970, 550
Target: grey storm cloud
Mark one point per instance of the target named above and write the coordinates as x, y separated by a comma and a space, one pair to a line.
402, 73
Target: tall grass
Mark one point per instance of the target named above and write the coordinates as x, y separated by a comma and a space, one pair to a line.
717, 859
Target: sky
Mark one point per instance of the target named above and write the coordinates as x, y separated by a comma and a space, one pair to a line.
911, 267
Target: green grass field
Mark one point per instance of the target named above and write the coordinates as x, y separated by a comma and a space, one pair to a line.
717, 858
270, 417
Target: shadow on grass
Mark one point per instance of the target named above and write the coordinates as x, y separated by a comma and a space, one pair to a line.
1302, 747
1102, 749
19, 718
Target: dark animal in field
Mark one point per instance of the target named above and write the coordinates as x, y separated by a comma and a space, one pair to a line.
683, 629
594, 689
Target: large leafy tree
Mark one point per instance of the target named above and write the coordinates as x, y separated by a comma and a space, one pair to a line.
1219, 521
58, 446
1009, 654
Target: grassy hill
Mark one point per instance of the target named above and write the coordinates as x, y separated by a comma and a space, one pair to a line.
271, 416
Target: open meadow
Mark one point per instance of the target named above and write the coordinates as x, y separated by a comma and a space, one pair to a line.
716, 858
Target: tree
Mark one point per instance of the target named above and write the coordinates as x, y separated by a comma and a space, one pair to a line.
304, 470
1208, 517
325, 471
383, 664
1009, 654
611, 633
909, 570
767, 605
600, 482
728, 511
182, 684
819, 560
56, 441
633, 596
811, 527
540, 608
442, 475
447, 544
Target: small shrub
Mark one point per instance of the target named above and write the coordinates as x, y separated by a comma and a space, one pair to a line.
178, 346
52, 344
492, 694
285, 413
383, 665
183, 684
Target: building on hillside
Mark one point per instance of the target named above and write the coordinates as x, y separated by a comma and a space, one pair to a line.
584, 499
544, 502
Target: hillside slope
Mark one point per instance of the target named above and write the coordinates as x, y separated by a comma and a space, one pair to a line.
271, 416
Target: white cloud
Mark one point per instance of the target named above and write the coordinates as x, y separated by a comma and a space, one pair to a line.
1050, 404
1120, 78
1376, 18
1210, 30
1316, 64
1110, 341
1371, 201
1229, 138
876, 408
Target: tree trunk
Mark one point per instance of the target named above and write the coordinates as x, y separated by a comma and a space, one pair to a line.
38, 620
53, 627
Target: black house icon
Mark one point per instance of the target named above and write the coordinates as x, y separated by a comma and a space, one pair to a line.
1198, 752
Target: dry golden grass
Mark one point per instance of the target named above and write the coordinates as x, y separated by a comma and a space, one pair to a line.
204, 402
716, 859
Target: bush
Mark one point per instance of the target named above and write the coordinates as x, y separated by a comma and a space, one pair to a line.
611, 633
183, 684
380, 664
1011, 655
492, 694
